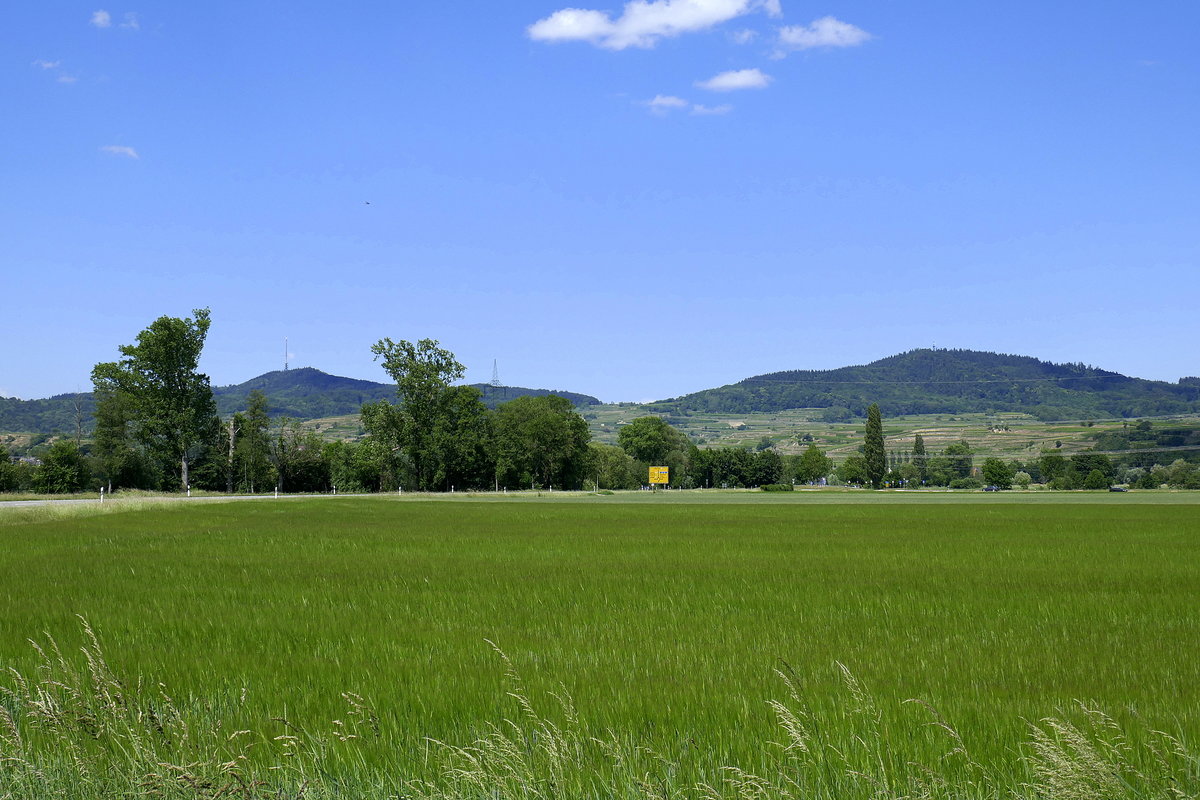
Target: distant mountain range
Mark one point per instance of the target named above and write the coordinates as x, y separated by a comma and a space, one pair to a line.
304, 393
916, 382
951, 382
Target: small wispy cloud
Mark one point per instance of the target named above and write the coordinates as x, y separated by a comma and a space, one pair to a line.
131, 22
708, 111
665, 103
643, 23
101, 19
736, 79
743, 36
6, 393
120, 150
62, 77
824, 32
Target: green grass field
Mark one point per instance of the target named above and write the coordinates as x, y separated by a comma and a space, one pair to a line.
664, 617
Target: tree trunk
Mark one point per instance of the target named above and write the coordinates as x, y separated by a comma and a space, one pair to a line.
229, 470
185, 472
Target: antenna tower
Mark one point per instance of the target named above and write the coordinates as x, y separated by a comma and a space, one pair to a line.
495, 374
285, 354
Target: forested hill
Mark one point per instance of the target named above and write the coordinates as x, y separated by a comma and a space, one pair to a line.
951, 382
303, 393
308, 393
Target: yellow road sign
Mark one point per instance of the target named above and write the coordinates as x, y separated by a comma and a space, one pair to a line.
660, 475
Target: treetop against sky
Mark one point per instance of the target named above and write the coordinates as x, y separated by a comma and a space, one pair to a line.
632, 200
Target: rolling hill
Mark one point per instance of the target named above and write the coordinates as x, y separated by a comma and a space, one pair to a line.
303, 393
950, 382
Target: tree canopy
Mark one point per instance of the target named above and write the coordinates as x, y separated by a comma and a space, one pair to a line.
168, 401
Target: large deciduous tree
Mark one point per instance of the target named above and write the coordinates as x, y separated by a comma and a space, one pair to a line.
998, 472
441, 432
541, 440
874, 455
423, 373
813, 465
252, 468
168, 401
653, 441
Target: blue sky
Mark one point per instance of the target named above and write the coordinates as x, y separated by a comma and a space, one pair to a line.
632, 201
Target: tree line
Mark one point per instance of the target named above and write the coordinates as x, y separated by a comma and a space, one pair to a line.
156, 427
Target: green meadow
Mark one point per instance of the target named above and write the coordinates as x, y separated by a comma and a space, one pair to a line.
345, 638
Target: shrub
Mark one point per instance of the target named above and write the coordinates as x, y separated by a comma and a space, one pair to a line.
966, 483
777, 487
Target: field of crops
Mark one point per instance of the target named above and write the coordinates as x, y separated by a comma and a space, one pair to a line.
667, 623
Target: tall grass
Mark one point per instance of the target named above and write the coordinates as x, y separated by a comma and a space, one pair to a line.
74, 729
661, 623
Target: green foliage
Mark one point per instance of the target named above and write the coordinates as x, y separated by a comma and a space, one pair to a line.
654, 442
961, 458
299, 458
874, 456
998, 472
252, 467
416, 425
64, 470
1022, 479
813, 465
777, 487
302, 393
951, 381
852, 471
833, 414
1052, 466
733, 467
462, 441
541, 440
8, 472
1095, 480
612, 468
160, 394
919, 458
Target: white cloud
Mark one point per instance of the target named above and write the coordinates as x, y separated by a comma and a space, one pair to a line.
736, 79
665, 103
120, 150
131, 21
702, 110
101, 18
65, 78
44, 64
643, 22
744, 36
824, 32
6, 393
